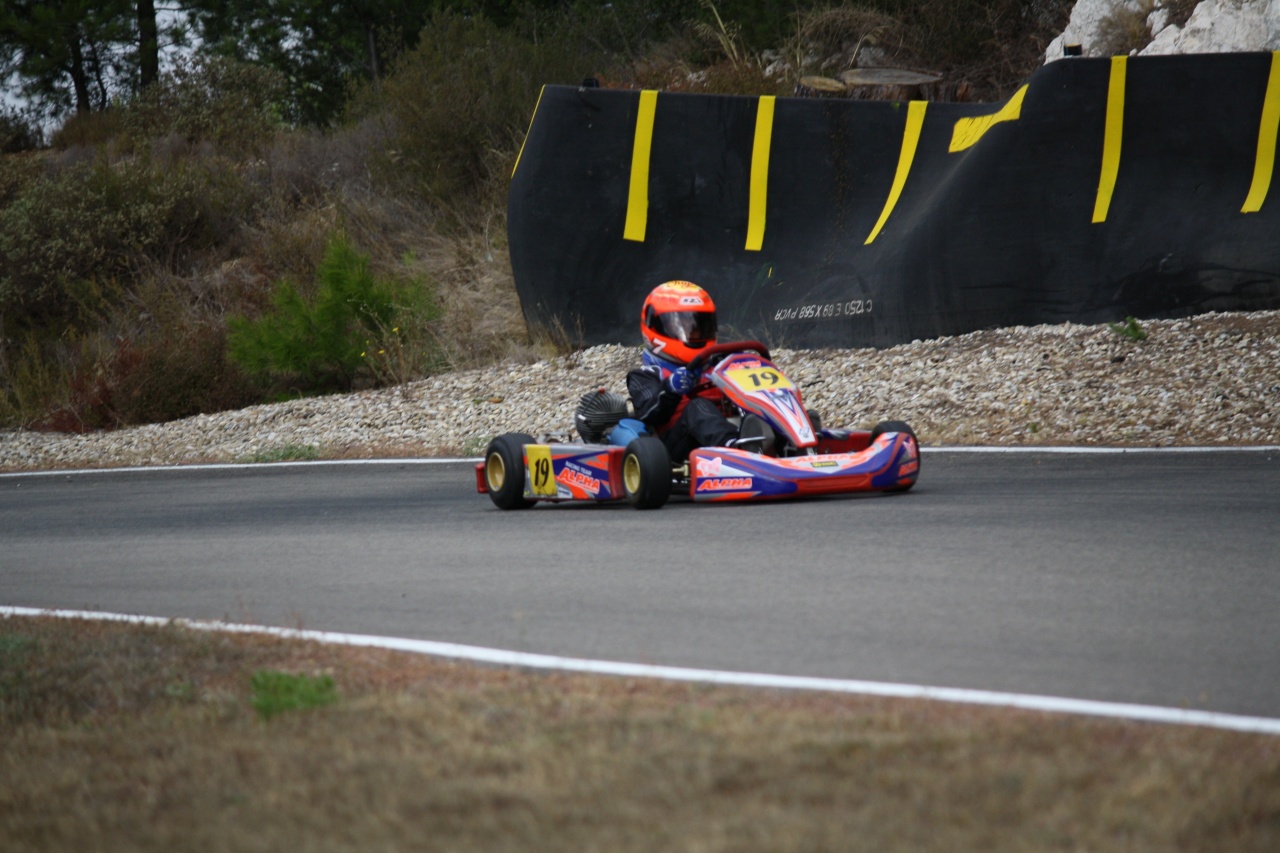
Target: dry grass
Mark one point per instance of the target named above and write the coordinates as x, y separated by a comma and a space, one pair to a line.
144, 738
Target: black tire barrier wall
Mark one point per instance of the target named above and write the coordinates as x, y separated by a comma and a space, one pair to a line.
1104, 188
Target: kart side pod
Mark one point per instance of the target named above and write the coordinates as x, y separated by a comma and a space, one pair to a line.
891, 462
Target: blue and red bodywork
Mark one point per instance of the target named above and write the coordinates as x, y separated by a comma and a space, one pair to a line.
842, 465
890, 463
579, 472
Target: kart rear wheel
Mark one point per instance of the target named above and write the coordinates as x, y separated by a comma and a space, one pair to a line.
897, 426
504, 470
646, 473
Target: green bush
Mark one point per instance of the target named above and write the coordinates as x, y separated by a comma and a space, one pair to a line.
17, 132
231, 104
88, 130
459, 104
358, 329
64, 238
1130, 329
277, 692
151, 374
17, 172
181, 371
628, 29
33, 384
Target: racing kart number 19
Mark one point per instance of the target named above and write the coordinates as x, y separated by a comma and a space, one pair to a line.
755, 379
541, 479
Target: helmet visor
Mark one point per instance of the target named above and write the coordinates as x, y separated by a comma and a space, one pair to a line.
689, 327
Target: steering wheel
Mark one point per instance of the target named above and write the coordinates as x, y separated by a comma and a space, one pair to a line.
725, 349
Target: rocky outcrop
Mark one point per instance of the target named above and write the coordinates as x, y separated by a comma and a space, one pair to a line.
1215, 26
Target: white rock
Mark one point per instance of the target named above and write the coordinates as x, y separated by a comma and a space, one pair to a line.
1223, 26
1215, 26
1085, 24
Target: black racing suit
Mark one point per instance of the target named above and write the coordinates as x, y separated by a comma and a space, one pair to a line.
683, 422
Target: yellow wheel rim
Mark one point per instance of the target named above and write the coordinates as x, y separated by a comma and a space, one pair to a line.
631, 474
495, 472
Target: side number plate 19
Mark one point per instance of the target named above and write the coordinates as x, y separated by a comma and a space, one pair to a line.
542, 480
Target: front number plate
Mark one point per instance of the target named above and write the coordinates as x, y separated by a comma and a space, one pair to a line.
757, 379
542, 480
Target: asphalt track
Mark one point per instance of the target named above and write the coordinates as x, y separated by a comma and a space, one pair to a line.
1149, 578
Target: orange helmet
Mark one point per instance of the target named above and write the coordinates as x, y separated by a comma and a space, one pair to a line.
677, 320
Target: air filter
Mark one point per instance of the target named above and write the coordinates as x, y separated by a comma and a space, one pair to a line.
598, 412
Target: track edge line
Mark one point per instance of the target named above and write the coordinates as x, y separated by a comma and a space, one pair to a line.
480, 654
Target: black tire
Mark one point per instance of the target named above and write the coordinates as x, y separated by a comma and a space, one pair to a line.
897, 426
646, 473
815, 420
504, 470
892, 426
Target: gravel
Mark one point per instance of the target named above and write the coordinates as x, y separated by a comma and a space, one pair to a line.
1210, 380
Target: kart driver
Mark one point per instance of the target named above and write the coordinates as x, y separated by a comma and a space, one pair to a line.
678, 320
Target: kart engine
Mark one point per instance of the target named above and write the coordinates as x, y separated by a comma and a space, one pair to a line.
598, 412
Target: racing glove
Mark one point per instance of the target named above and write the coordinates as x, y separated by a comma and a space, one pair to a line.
681, 381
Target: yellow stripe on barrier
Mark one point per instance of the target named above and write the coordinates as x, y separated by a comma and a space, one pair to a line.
968, 131
638, 196
760, 173
910, 139
1112, 138
1265, 164
526, 133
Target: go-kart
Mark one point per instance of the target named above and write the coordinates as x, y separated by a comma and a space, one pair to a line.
783, 451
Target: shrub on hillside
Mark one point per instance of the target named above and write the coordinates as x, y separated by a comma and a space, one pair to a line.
459, 104
357, 329
992, 44
62, 239
17, 172
995, 44
17, 132
88, 130
215, 99
150, 376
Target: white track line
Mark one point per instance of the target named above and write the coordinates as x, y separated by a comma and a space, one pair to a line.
1051, 704
236, 466
927, 449
1102, 451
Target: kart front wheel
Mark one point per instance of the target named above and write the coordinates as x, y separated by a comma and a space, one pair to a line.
504, 470
646, 473
897, 426
892, 426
